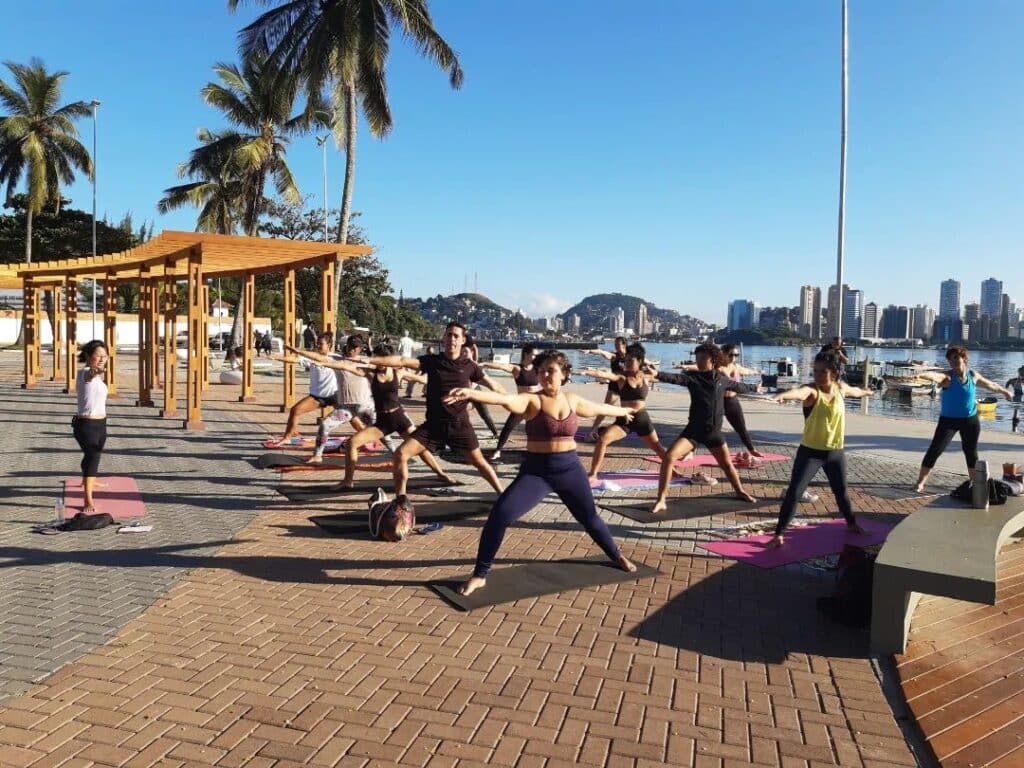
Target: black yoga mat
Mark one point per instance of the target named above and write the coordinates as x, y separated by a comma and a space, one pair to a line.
542, 577
683, 507
426, 512
271, 460
319, 491
899, 493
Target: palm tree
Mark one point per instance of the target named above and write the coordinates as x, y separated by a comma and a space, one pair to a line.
214, 189
38, 139
344, 45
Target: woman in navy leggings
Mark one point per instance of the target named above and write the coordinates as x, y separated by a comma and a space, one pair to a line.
551, 462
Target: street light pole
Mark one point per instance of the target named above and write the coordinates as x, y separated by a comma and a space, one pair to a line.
94, 104
841, 242
321, 141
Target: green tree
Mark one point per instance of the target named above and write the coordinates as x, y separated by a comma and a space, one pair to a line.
38, 139
214, 187
343, 46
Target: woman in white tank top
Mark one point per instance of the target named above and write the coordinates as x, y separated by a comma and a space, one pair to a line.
90, 422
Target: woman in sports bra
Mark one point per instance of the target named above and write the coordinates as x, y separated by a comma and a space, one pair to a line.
633, 386
822, 444
525, 377
959, 412
615, 360
551, 463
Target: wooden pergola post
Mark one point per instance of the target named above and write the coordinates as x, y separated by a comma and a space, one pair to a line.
248, 304
205, 337
145, 338
71, 336
170, 409
58, 332
328, 301
153, 369
289, 338
196, 342
110, 333
30, 325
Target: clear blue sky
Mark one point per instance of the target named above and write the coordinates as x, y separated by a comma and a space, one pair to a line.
686, 152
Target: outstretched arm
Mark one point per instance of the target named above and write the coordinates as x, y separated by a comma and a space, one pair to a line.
686, 367
492, 385
939, 378
395, 361
800, 393
680, 379
285, 358
848, 391
419, 378
507, 367
513, 403
588, 409
981, 381
326, 361
742, 370
602, 352
742, 388
595, 373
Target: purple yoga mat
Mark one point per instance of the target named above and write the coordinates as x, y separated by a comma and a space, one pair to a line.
707, 460
802, 543
634, 479
631, 439
117, 496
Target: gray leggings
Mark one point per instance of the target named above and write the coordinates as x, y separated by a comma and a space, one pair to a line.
805, 466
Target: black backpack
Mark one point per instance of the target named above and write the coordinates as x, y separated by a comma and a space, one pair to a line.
997, 491
84, 522
850, 602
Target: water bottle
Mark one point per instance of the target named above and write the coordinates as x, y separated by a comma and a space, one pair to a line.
979, 492
58, 509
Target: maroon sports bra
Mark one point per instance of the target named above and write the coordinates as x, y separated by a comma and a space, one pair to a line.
542, 427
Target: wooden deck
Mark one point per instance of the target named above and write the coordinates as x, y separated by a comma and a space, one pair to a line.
963, 673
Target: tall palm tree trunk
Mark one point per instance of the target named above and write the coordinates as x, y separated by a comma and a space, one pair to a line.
351, 127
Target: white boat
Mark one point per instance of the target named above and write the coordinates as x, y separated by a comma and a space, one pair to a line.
779, 374
904, 376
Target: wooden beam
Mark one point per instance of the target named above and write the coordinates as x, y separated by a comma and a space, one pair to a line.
153, 369
146, 341
206, 336
58, 332
170, 409
30, 333
289, 338
110, 333
71, 336
196, 342
248, 304
328, 301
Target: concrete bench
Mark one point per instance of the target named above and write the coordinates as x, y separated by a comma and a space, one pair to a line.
947, 549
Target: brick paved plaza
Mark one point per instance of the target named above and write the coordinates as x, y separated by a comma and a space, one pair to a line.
236, 633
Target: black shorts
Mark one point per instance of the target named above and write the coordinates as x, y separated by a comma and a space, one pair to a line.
390, 423
325, 402
457, 435
705, 437
641, 423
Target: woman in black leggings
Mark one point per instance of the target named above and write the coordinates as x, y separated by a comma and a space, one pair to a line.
90, 422
525, 376
959, 412
551, 463
474, 353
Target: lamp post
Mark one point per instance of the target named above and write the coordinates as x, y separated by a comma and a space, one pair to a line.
94, 104
321, 141
841, 240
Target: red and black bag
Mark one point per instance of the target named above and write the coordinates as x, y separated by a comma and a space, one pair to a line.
390, 520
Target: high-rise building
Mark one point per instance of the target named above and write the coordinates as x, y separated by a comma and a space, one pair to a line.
895, 322
810, 311
641, 319
921, 322
972, 311
574, 323
743, 314
991, 297
617, 321
830, 312
949, 298
853, 308
871, 321
1004, 317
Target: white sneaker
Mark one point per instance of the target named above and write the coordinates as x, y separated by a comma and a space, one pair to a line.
808, 498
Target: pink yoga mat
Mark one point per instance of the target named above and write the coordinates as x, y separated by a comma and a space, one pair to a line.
333, 445
119, 497
583, 432
633, 480
707, 460
802, 543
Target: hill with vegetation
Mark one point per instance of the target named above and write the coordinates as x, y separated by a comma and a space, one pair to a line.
595, 310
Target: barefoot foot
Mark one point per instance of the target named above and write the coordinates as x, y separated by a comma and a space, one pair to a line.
757, 454
775, 543
624, 563
471, 585
315, 460
744, 496
919, 488
660, 506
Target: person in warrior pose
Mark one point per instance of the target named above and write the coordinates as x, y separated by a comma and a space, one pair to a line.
632, 386
822, 444
959, 411
615, 360
525, 376
90, 422
323, 385
707, 386
473, 351
551, 463
446, 423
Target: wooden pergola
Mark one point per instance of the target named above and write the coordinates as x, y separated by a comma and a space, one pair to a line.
165, 261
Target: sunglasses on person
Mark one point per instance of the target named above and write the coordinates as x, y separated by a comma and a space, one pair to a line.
734, 354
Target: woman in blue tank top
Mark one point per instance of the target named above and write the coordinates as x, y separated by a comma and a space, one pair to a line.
959, 412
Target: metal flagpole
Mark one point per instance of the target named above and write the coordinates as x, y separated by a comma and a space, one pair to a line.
841, 241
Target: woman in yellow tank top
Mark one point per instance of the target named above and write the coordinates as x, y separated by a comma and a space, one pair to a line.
822, 444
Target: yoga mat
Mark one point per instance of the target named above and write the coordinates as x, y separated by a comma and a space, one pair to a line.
897, 493
543, 577
803, 543
333, 445
119, 497
707, 460
362, 485
363, 464
632, 480
291, 461
684, 507
426, 512
630, 439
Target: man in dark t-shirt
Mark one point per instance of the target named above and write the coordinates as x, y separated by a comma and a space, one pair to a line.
445, 424
837, 348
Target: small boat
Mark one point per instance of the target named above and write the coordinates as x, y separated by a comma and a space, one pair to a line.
905, 377
987, 405
779, 374
855, 375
